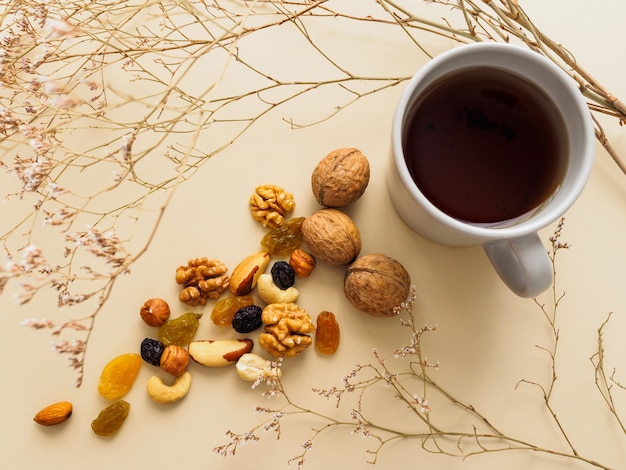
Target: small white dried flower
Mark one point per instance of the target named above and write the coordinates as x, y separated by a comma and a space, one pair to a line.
38, 323
422, 403
65, 102
61, 28
75, 347
58, 217
54, 189
51, 87
126, 146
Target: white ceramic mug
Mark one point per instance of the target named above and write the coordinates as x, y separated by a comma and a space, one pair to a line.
514, 248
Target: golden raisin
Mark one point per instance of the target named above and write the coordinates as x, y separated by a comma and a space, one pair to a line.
224, 310
180, 331
118, 376
282, 240
327, 333
110, 419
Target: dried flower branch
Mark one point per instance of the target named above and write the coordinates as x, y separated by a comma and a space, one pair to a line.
411, 386
105, 91
604, 381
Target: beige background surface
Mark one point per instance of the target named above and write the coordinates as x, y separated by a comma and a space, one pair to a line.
486, 339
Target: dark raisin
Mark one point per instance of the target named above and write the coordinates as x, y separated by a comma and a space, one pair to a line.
151, 351
283, 275
247, 319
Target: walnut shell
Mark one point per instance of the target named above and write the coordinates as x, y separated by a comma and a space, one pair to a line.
376, 284
341, 177
332, 237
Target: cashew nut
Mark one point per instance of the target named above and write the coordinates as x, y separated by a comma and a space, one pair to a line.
161, 393
272, 294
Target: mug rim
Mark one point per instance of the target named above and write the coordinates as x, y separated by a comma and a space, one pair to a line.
553, 208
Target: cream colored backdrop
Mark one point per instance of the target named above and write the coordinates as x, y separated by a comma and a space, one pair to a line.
486, 340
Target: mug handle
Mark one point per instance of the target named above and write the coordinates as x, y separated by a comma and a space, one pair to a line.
522, 263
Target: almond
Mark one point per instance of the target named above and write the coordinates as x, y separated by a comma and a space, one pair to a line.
54, 414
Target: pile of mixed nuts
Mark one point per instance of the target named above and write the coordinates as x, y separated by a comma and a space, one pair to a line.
374, 284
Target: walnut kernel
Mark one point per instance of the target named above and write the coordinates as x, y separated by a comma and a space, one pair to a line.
269, 203
332, 237
341, 177
376, 284
202, 279
287, 329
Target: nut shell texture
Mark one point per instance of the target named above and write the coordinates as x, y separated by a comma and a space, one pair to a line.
376, 284
332, 237
340, 178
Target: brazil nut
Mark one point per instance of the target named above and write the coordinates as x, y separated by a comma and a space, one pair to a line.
245, 275
219, 353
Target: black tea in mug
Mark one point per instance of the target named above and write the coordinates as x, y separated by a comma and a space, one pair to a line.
485, 146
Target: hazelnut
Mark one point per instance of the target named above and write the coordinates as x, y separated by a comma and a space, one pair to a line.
174, 360
377, 284
302, 262
332, 237
341, 177
155, 312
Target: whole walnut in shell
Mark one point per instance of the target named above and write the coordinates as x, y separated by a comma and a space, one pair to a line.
332, 237
376, 284
341, 177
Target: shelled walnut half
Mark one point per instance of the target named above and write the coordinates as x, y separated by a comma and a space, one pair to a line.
269, 203
287, 329
202, 279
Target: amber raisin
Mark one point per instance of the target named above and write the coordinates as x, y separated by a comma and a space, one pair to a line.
118, 376
282, 240
151, 351
327, 333
283, 275
247, 319
180, 331
110, 419
224, 310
